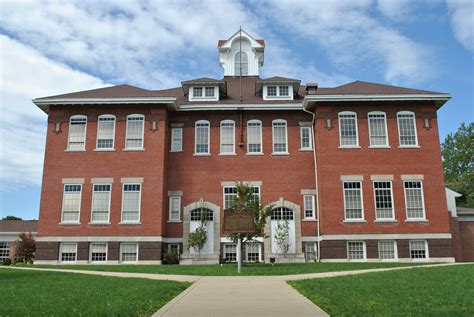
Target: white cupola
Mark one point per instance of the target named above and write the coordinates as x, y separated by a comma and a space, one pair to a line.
241, 51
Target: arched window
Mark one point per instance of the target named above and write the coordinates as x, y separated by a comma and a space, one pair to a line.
241, 61
377, 129
227, 137
77, 133
348, 129
134, 133
202, 137
202, 214
282, 213
280, 136
105, 131
407, 128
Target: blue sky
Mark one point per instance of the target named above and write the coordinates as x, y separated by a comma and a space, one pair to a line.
57, 47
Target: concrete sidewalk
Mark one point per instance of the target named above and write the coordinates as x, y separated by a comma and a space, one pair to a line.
240, 296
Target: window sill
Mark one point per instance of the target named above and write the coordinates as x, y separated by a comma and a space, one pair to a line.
176, 151
70, 150
134, 150
349, 147
99, 223
408, 146
280, 153
380, 147
386, 221
104, 150
306, 150
69, 223
202, 154
416, 220
174, 221
228, 154
309, 220
129, 223
255, 154
355, 221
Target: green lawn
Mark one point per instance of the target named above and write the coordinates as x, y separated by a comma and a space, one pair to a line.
437, 291
231, 269
39, 293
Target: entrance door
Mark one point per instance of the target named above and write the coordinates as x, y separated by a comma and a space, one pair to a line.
206, 216
282, 227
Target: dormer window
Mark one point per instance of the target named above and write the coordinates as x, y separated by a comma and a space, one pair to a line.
277, 92
204, 93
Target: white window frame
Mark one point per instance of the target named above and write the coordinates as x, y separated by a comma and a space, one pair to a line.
395, 250
247, 246
233, 137
364, 251
106, 252
254, 121
80, 205
168, 247
92, 203
361, 201
278, 96
68, 148
174, 131
208, 137
226, 245
313, 205
375, 199
422, 200
237, 68
142, 134
426, 258
279, 121
378, 113
139, 204
224, 194
3, 249
106, 116
203, 97
310, 145
60, 258
315, 250
416, 145
170, 215
356, 129
121, 251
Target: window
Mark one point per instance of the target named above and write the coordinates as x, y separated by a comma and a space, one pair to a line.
348, 129
134, 133
230, 252
230, 194
4, 250
197, 91
202, 137
241, 61
284, 91
77, 133
418, 249
282, 213
383, 200
256, 194
68, 252
105, 132
306, 140
407, 128
98, 252
309, 207
356, 250
175, 208
414, 200
101, 203
271, 91
279, 136
210, 91
131, 198
202, 214
252, 251
176, 139
377, 129
128, 252
174, 247
353, 201
71, 203
227, 137
310, 251
254, 136
387, 250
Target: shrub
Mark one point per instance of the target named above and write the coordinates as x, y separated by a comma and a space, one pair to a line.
170, 257
7, 261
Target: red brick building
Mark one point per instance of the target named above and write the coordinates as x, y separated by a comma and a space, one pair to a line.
129, 172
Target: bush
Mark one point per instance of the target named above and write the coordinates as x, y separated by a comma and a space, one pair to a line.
170, 257
7, 261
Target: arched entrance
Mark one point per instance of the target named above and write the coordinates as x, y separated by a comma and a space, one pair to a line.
203, 216
282, 220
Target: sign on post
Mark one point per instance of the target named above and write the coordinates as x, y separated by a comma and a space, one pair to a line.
239, 220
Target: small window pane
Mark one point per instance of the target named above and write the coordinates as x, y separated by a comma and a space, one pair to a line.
197, 91
310, 251
284, 91
202, 214
271, 91
282, 213
210, 91
4, 250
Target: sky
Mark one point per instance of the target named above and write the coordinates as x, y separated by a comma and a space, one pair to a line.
54, 47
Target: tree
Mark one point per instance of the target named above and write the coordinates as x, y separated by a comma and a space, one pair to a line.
25, 248
458, 163
282, 236
198, 238
11, 217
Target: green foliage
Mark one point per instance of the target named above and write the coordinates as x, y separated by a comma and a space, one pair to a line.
25, 248
282, 236
10, 217
198, 238
7, 261
171, 257
458, 163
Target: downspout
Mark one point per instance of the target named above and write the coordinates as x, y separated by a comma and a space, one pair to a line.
318, 230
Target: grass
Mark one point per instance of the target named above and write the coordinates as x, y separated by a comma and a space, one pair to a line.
437, 291
39, 293
231, 269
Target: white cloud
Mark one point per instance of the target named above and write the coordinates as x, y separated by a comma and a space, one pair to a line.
27, 74
462, 21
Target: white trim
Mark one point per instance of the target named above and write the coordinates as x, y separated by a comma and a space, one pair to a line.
308, 192
233, 107
228, 240
88, 101
386, 145
170, 209
139, 205
387, 236
233, 137
356, 129
141, 148
113, 133
208, 137
417, 144
273, 137
191, 96
376, 97
278, 95
362, 218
